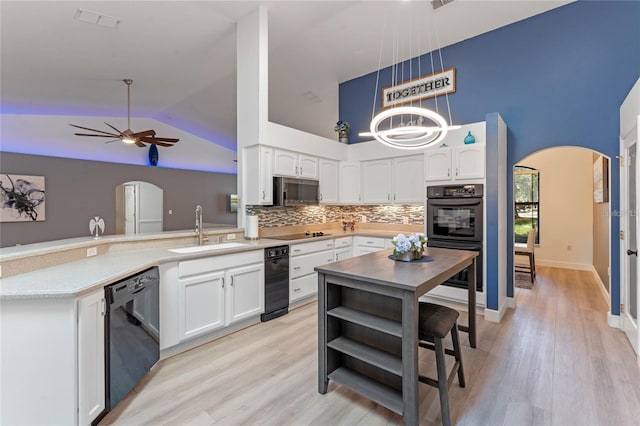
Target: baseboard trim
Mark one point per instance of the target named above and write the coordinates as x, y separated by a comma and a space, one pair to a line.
613, 320
564, 265
496, 316
511, 302
603, 289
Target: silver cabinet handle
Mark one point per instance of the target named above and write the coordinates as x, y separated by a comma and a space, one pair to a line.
321, 197
297, 268
330, 260
394, 197
296, 289
103, 306
263, 195
448, 172
388, 197
222, 282
456, 171
369, 242
231, 279
296, 250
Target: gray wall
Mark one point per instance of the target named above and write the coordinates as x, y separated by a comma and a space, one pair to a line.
601, 236
77, 190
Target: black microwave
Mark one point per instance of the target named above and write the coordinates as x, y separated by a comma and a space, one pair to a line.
294, 192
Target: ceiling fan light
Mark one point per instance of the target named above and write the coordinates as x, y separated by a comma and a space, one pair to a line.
128, 140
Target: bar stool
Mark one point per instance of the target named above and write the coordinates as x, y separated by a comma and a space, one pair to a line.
435, 322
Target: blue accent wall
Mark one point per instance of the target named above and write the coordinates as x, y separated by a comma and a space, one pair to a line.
557, 79
492, 214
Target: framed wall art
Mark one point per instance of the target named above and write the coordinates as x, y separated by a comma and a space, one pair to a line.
601, 180
22, 198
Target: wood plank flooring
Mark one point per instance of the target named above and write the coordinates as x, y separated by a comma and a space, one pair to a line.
552, 361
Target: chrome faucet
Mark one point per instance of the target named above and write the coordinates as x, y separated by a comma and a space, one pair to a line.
199, 228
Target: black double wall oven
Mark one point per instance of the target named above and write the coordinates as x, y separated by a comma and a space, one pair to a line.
455, 220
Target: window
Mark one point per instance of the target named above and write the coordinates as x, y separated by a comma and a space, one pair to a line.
526, 192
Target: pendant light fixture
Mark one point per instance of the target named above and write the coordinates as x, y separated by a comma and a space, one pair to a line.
408, 124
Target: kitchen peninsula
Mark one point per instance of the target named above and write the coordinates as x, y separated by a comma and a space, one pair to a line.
368, 323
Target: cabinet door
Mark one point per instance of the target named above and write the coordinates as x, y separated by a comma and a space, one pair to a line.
285, 163
360, 250
343, 253
328, 174
258, 175
91, 393
376, 181
303, 265
200, 304
408, 185
349, 187
470, 161
303, 287
307, 166
437, 164
245, 292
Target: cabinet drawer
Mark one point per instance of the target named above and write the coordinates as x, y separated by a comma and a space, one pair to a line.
343, 242
304, 248
303, 265
303, 286
369, 242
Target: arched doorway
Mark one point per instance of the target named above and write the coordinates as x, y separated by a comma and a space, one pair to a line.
573, 223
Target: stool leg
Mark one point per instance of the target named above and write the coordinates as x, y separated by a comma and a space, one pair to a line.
531, 267
457, 353
443, 389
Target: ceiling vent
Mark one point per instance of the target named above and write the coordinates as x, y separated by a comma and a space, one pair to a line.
439, 3
90, 17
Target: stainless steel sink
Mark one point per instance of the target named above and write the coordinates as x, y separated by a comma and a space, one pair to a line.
211, 247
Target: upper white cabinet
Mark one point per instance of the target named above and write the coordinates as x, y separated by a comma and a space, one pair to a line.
258, 175
376, 181
328, 181
91, 396
457, 163
408, 185
293, 164
349, 189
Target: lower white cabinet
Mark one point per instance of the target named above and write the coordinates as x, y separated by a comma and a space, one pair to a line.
200, 296
363, 245
343, 248
344, 253
304, 257
91, 362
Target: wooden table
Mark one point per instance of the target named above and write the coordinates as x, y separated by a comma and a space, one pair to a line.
368, 323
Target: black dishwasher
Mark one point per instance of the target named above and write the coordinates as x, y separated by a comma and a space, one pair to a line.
276, 282
132, 332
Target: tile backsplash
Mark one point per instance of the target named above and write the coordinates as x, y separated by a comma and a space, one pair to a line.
304, 215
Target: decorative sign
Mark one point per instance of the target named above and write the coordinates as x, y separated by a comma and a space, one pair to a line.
428, 86
21, 198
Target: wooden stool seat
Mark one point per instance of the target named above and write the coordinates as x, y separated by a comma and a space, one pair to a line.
434, 323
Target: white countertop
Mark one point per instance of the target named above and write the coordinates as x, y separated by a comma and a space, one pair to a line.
86, 275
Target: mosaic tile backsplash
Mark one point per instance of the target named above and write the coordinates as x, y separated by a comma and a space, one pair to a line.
269, 217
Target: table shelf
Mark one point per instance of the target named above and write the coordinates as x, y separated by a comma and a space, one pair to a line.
374, 322
371, 389
372, 356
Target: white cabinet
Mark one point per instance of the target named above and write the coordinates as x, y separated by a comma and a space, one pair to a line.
91, 373
458, 163
245, 292
376, 181
293, 164
363, 245
328, 174
408, 185
199, 296
201, 304
258, 175
349, 189
304, 257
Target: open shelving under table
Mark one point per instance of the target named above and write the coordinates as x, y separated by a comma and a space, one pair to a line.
368, 323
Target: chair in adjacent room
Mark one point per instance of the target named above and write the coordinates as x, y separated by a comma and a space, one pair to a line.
434, 323
528, 251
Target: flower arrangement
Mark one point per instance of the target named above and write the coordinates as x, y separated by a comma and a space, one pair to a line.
408, 247
341, 126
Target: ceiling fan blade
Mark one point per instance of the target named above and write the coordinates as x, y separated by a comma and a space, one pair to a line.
119, 132
140, 144
92, 130
155, 142
114, 140
98, 136
143, 134
167, 140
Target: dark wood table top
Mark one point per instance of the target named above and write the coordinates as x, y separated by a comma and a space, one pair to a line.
418, 277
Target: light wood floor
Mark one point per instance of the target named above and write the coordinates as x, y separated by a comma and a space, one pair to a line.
552, 361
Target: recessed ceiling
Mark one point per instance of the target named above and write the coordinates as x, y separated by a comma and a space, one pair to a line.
182, 56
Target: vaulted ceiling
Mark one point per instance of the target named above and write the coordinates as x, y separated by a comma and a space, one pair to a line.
182, 56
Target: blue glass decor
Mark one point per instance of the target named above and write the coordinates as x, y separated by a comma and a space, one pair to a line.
153, 154
469, 138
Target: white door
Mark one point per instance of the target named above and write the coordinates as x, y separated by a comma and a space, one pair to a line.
469, 161
349, 187
328, 181
376, 181
307, 166
285, 163
629, 291
437, 164
245, 292
130, 207
408, 185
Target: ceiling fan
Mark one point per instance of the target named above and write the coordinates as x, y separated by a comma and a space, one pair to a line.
129, 136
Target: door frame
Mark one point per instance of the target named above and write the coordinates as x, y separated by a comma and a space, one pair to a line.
627, 325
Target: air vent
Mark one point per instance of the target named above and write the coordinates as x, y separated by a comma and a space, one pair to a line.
439, 3
90, 17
